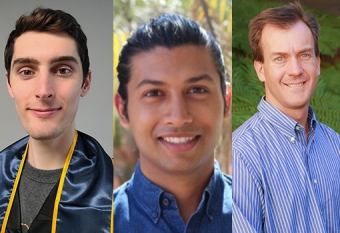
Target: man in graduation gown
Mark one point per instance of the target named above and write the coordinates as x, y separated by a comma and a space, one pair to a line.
56, 179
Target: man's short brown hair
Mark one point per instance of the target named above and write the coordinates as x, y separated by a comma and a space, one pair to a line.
48, 20
283, 17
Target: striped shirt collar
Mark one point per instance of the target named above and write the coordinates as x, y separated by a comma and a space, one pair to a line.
284, 124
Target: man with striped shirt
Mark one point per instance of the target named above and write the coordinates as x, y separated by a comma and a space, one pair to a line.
286, 164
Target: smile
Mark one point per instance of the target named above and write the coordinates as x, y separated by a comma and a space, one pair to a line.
295, 84
179, 144
178, 140
44, 113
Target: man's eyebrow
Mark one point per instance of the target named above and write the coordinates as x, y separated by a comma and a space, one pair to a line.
310, 50
150, 81
25, 60
199, 78
190, 80
278, 54
28, 60
64, 58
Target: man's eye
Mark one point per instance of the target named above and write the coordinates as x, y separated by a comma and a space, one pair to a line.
26, 72
153, 93
279, 59
64, 71
197, 90
305, 55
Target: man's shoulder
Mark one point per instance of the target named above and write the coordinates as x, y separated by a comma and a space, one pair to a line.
227, 181
89, 140
328, 130
250, 138
327, 133
16, 147
123, 210
121, 192
93, 161
91, 146
245, 132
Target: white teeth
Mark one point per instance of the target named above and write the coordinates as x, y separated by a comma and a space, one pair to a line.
295, 85
178, 140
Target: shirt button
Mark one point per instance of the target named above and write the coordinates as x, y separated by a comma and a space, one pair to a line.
155, 214
315, 181
297, 127
165, 201
292, 139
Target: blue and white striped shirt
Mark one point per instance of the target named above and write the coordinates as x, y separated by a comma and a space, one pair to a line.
283, 182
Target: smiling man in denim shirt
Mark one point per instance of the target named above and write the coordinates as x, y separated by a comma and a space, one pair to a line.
173, 97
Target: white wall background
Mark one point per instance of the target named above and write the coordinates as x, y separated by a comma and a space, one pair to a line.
95, 111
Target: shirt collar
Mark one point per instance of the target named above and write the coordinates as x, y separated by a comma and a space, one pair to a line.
149, 196
213, 194
146, 194
285, 124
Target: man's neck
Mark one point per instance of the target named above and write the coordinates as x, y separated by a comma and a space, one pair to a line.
49, 154
186, 188
299, 114
188, 195
301, 117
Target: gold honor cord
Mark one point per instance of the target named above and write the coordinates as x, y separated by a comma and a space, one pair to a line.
112, 216
11, 199
112, 209
61, 183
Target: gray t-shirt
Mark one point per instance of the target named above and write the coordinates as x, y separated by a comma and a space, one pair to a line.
34, 187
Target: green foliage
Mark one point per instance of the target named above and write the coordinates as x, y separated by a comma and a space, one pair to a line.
326, 98
329, 33
247, 89
128, 14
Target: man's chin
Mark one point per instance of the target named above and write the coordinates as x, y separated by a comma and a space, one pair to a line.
44, 136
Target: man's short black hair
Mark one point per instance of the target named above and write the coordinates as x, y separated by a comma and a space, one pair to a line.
167, 31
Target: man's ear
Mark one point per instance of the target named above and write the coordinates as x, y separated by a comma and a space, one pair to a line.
86, 86
259, 68
120, 107
228, 99
9, 88
318, 65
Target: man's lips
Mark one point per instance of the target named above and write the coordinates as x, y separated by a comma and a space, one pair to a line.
295, 84
178, 140
41, 112
179, 143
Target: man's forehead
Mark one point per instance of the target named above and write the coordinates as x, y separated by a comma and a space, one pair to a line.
159, 56
53, 44
31, 37
269, 27
161, 66
271, 31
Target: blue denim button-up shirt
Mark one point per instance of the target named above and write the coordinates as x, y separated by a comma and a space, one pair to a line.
141, 206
